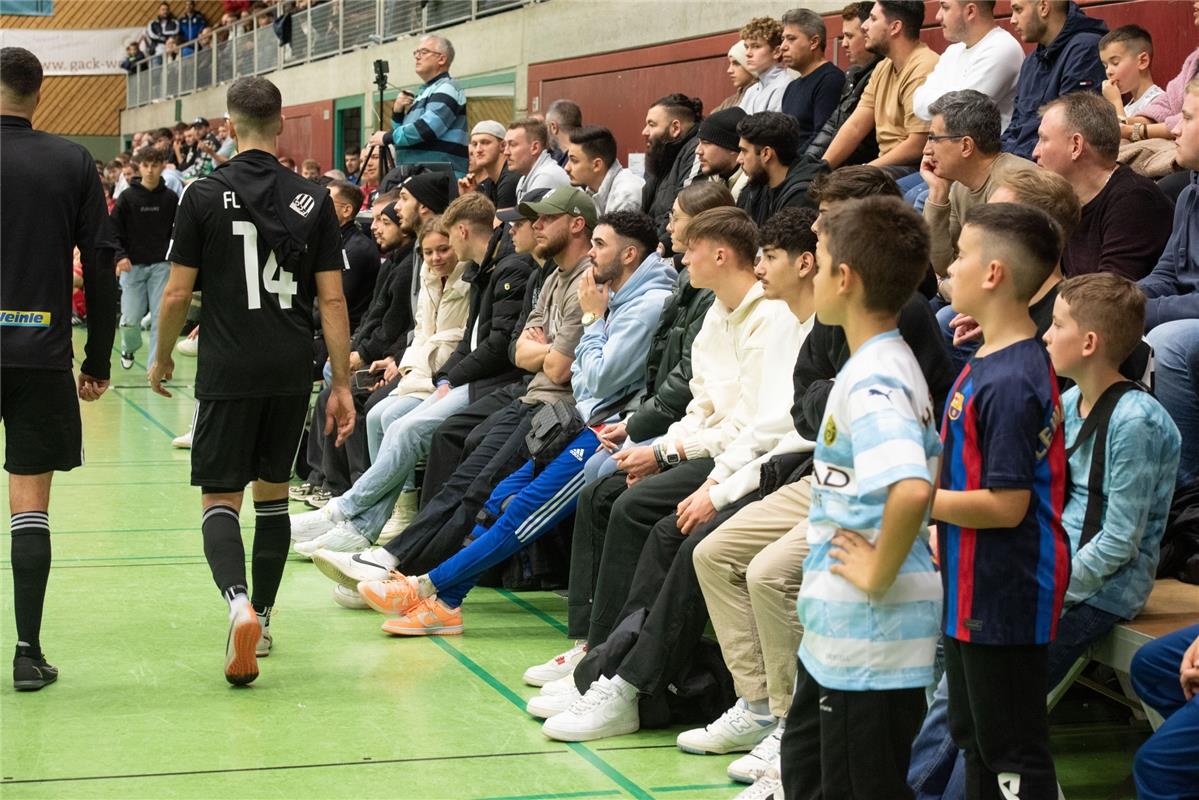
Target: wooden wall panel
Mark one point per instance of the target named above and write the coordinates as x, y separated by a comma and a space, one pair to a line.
84, 105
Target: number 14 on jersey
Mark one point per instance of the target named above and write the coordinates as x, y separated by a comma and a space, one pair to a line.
275, 280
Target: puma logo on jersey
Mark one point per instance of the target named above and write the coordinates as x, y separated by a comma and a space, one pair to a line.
303, 204
578, 453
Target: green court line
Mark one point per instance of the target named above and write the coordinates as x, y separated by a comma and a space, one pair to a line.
512, 697
555, 796
697, 787
149, 417
534, 610
145, 368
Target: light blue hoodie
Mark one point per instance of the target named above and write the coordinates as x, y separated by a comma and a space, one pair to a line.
610, 357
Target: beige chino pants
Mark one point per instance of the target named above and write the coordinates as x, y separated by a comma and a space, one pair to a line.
750, 569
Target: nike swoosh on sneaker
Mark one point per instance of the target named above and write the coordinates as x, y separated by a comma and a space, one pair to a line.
358, 559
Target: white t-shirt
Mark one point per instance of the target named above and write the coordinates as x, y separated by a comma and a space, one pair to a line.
990, 67
1135, 107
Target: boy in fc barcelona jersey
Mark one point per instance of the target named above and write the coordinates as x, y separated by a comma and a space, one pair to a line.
1005, 558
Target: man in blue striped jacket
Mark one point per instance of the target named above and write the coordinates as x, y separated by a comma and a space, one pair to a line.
430, 127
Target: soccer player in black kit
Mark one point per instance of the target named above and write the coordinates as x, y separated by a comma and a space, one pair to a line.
261, 243
50, 202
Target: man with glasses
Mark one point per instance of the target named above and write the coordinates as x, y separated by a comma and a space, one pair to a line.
962, 165
430, 127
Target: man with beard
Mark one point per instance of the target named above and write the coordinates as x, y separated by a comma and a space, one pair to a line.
671, 125
887, 105
718, 149
778, 178
546, 347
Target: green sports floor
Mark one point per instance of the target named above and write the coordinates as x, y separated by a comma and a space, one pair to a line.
142, 710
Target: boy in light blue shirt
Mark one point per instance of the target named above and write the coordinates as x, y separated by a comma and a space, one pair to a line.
870, 602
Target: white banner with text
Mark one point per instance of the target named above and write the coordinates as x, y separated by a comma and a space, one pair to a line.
74, 52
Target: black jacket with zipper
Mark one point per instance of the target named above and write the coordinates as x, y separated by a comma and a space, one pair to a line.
762, 202
668, 366
496, 296
385, 319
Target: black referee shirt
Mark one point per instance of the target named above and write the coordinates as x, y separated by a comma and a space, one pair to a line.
50, 203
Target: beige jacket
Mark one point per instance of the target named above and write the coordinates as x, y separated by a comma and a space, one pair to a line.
441, 316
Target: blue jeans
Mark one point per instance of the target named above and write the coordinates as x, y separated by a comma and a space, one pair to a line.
938, 769
915, 190
1176, 385
405, 444
965, 351
1167, 766
380, 416
524, 507
141, 291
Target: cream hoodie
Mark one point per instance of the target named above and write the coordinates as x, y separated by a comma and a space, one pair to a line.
742, 361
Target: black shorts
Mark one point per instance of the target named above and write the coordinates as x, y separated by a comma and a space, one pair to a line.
245, 439
40, 411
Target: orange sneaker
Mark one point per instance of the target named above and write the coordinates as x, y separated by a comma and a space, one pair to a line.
393, 596
429, 617
241, 664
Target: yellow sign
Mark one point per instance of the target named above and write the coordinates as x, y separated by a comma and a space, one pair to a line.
25, 319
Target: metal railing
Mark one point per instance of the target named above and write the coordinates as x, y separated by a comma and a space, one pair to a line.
260, 43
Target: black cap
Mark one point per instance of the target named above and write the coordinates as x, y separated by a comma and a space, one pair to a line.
721, 128
434, 190
513, 214
199, 122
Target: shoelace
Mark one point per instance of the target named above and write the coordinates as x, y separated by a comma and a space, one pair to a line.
595, 696
768, 748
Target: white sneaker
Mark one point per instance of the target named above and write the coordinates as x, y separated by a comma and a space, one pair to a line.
343, 538
183, 441
265, 640
563, 685
767, 787
738, 730
188, 347
560, 666
145, 326
401, 517
544, 706
603, 711
348, 598
350, 569
751, 767
311, 524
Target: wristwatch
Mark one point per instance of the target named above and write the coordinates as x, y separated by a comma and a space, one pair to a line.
669, 453
589, 319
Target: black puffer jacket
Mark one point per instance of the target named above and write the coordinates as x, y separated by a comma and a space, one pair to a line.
761, 202
856, 79
497, 292
384, 329
658, 196
668, 366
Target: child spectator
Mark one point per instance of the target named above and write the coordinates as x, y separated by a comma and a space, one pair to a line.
1123, 453
869, 639
1127, 53
142, 220
1004, 555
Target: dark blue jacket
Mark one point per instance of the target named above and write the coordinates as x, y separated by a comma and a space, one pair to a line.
1173, 286
1069, 64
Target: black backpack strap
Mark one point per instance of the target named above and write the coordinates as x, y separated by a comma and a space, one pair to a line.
1096, 425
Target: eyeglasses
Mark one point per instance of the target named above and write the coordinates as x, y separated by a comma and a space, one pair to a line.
421, 52
932, 138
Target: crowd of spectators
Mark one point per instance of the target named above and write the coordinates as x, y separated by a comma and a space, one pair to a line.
545, 340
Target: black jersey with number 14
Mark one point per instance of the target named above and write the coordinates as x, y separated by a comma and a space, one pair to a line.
257, 234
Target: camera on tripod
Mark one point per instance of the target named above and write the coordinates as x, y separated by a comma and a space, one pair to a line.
381, 70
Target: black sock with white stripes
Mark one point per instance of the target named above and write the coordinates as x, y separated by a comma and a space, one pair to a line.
223, 548
272, 538
30, 570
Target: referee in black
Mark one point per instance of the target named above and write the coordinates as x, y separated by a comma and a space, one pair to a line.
261, 243
50, 203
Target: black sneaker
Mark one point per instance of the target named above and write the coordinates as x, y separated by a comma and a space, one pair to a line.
126, 360
301, 492
319, 498
30, 674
